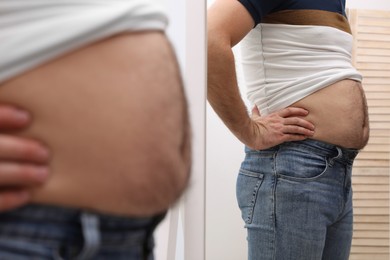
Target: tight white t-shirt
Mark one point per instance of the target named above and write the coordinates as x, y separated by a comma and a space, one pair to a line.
284, 63
33, 32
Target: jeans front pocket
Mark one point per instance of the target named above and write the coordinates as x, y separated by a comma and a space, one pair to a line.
248, 185
299, 164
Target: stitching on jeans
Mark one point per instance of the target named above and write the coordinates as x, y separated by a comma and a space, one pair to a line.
339, 155
260, 178
274, 205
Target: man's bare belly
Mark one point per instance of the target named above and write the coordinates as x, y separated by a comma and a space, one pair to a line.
339, 113
113, 116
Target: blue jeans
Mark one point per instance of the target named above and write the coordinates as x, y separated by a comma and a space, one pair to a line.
296, 201
49, 232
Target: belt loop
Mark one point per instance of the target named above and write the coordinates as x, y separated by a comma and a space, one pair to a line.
339, 154
91, 234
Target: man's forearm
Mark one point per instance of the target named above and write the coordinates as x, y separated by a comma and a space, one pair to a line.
256, 131
222, 90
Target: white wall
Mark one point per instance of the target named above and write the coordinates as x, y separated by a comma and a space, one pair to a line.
366, 4
225, 235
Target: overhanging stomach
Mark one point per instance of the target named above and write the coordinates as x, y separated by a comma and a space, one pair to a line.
94, 108
339, 113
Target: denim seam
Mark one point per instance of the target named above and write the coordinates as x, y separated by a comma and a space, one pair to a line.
274, 205
260, 178
344, 200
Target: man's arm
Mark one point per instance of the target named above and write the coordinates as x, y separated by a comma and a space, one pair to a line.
22, 161
228, 23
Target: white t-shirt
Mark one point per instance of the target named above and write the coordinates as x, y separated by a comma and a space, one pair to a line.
33, 32
284, 63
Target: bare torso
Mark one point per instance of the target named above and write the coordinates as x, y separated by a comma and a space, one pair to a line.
113, 116
339, 113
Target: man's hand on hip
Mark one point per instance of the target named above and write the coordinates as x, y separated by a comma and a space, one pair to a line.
278, 127
23, 162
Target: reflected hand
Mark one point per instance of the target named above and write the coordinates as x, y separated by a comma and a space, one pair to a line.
279, 127
22, 161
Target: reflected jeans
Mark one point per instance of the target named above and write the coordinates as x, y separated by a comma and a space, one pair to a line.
56, 233
296, 201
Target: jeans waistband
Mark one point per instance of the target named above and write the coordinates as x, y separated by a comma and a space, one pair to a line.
318, 147
50, 222
82, 232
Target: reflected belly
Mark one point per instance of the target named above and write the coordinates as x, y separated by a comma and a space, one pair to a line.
339, 113
112, 115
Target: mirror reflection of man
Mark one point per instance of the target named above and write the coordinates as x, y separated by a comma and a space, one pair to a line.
309, 120
103, 92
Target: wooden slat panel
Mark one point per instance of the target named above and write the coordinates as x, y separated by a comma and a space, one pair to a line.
373, 65
381, 125
379, 110
372, 51
380, 140
371, 163
373, 73
379, 118
372, 204
375, 88
374, 156
379, 95
370, 249
374, 29
370, 180
371, 195
377, 148
371, 226
371, 234
374, 22
382, 219
371, 211
381, 81
380, 133
378, 103
372, 44
369, 257
371, 56
368, 58
370, 242
370, 172
366, 187
373, 37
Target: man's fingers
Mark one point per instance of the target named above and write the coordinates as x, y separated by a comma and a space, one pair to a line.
298, 122
297, 130
17, 174
12, 118
10, 199
18, 148
292, 138
293, 111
